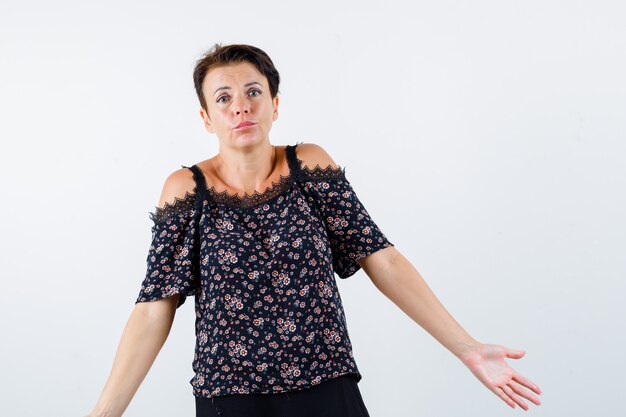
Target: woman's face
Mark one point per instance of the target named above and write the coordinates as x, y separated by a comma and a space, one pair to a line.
234, 94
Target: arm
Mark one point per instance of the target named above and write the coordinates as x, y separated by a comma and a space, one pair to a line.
143, 337
399, 281
395, 277
146, 330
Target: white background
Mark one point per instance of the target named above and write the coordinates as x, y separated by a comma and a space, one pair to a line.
485, 138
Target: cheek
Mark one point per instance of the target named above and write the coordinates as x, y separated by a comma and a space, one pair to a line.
221, 117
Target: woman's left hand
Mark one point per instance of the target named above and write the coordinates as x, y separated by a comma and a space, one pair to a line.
487, 363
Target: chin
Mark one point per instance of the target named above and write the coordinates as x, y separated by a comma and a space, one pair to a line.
248, 140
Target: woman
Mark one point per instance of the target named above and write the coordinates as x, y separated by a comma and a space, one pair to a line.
256, 234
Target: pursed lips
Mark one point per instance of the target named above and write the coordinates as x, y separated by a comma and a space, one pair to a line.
244, 124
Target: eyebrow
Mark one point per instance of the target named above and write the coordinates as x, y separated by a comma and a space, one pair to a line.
228, 88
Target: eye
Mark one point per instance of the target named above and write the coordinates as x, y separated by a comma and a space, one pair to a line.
253, 90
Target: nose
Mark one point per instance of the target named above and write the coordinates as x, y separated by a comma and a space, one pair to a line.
241, 105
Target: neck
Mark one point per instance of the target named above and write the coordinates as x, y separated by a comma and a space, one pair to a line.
245, 171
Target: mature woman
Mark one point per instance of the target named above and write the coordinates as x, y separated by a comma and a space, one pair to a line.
256, 234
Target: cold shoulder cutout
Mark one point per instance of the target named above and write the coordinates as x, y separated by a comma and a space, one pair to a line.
352, 232
171, 260
178, 193
312, 155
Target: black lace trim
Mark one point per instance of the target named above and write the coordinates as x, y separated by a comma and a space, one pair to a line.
302, 173
174, 208
249, 200
317, 172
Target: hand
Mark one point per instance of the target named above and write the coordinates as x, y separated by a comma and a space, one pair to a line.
487, 363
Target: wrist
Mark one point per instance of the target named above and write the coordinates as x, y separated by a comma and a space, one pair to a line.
105, 411
464, 350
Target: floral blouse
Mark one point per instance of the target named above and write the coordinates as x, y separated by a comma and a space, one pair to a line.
269, 317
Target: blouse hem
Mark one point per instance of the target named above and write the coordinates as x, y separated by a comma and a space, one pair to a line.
229, 391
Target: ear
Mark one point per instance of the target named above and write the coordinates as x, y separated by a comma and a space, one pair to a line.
275, 102
206, 120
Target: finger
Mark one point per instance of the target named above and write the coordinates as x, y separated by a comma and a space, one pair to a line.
515, 354
526, 382
515, 397
504, 397
519, 389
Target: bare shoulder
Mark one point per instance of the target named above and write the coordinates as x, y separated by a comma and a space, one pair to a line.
312, 155
177, 185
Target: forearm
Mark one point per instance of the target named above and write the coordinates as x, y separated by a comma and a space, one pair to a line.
141, 341
399, 281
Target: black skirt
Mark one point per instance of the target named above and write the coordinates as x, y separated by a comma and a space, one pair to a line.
337, 397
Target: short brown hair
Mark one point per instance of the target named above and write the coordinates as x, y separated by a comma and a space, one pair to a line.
220, 55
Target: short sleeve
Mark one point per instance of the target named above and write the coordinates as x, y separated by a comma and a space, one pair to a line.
351, 230
170, 257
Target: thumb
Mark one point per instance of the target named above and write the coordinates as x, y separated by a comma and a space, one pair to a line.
515, 354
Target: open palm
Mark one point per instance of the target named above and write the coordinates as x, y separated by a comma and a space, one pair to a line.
487, 363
